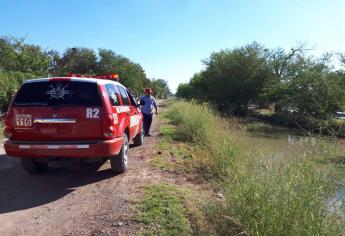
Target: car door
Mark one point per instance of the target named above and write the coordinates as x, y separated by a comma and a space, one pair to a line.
114, 99
136, 116
131, 112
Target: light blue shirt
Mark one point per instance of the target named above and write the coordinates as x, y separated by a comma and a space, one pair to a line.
150, 103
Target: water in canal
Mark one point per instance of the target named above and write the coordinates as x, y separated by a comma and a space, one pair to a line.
277, 142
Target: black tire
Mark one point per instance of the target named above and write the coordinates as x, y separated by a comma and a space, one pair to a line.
139, 138
119, 162
33, 167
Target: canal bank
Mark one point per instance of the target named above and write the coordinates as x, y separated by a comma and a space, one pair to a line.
306, 123
274, 181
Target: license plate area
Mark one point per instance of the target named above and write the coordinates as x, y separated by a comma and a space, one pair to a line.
23, 121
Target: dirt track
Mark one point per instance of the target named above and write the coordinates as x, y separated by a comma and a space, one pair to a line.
77, 200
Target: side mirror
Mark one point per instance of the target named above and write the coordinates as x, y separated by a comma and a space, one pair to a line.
141, 102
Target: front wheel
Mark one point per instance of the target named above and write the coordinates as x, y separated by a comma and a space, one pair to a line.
33, 167
119, 162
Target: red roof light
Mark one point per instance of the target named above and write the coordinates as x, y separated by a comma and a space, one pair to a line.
110, 76
78, 75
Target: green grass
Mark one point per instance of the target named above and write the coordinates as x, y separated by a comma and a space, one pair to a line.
196, 126
169, 209
163, 212
173, 156
265, 195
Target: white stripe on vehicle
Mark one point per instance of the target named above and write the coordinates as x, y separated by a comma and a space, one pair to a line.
85, 146
79, 146
121, 109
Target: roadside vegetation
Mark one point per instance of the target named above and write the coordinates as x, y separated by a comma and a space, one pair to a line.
294, 81
20, 61
171, 209
163, 211
261, 194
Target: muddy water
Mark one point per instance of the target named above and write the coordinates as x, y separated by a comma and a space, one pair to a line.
279, 142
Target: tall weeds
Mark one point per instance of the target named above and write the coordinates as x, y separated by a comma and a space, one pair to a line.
263, 196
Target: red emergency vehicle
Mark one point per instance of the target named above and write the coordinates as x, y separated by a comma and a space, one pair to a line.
72, 118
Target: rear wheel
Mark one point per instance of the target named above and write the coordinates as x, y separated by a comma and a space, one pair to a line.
33, 167
119, 162
139, 138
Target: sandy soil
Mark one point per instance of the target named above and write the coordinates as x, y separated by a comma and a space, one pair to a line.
73, 200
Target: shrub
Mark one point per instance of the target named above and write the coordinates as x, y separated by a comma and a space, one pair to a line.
9, 84
197, 125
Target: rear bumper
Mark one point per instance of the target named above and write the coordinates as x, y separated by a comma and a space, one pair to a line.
92, 149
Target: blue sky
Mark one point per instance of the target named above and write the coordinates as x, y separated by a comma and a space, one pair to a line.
169, 38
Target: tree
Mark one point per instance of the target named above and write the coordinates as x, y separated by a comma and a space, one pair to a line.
131, 74
15, 55
53, 68
252, 73
20, 61
77, 60
316, 90
342, 58
160, 88
319, 95
9, 84
306, 83
232, 78
285, 67
184, 90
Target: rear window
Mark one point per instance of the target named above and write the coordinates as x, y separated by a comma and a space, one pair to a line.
54, 93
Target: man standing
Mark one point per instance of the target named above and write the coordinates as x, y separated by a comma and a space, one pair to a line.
148, 102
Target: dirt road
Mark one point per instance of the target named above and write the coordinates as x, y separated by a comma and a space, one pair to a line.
77, 200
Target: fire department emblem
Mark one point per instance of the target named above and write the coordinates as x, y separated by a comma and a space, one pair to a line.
58, 91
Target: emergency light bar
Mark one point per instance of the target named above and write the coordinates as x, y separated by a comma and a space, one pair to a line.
110, 76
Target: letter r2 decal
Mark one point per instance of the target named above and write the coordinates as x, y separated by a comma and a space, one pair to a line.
92, 113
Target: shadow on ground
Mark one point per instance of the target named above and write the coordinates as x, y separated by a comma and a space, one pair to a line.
20, 190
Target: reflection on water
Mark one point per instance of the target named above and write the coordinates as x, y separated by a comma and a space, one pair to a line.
336, 203
292, 136
298, 139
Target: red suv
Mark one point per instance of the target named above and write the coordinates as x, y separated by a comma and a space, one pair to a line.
72, 117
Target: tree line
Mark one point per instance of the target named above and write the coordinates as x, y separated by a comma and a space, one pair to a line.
20, 61
235, 78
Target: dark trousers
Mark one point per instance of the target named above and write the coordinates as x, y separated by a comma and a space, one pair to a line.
147, 123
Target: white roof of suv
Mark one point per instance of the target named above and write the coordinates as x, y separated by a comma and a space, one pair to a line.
78, 79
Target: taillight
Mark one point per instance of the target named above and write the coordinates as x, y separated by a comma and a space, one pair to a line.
8, 122
108, 122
